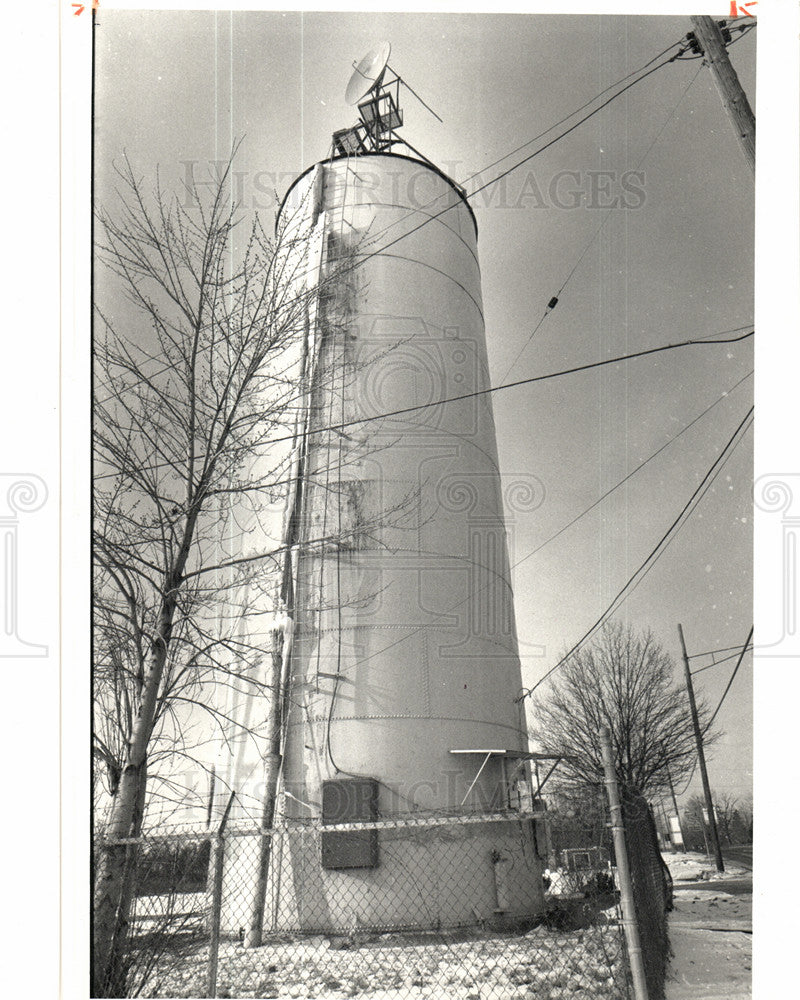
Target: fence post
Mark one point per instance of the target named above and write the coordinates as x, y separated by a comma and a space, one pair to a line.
217, 867
629, 922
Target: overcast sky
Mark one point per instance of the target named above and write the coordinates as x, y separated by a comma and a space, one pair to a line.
174, 89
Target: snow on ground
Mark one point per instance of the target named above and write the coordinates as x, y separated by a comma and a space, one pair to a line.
710, 932
689, 866
541, 964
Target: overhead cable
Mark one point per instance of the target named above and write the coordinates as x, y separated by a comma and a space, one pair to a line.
695, 341
718, 663
471, 194
513, 385
414, 630
730, 681
555, 298
572, 114
629, 476
653, 555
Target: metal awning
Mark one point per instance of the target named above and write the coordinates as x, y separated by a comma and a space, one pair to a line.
511, 755
514, 754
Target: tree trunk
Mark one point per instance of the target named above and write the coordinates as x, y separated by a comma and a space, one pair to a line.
116, 874
111, 903
273, 760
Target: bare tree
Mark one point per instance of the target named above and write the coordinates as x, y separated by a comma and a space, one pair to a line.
734, 816
623, 680
197, 373
725, 808
743, 820
695, 824
206, 379
577, 816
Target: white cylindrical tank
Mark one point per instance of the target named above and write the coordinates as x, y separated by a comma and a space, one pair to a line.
404, 644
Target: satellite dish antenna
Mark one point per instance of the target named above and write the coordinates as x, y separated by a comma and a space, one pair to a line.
368, 73
378, 98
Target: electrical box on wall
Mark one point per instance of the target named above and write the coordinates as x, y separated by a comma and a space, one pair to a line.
349, 800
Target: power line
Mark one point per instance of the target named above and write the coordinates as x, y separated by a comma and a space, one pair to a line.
363, 258
416, 630
524, 145
572, 128
744, 29
695, 341
654, 554
718, 663
633, 583
632, 473
572, 114
647, 152
494, 180
736, 329
526, 159
644, 571
483, 187
710, 652
730, 681
518, 149
554, 299
706, 488
513, 385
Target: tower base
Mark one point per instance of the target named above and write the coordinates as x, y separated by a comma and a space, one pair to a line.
432, 873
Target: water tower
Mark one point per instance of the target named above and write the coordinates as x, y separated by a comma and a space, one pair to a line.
402, 709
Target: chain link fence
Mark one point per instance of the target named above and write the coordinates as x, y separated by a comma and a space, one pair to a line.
398, 909
652, 889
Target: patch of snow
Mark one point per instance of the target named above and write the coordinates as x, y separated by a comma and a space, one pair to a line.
688, 866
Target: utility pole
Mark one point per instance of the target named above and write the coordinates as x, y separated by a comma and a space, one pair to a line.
701, 757
667, 825
712, 45
675, 807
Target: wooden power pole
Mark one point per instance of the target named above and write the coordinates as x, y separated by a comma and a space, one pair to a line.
711, 43
701, 757
675, 807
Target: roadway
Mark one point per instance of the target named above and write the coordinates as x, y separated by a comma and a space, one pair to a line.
741, 854
710, 931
